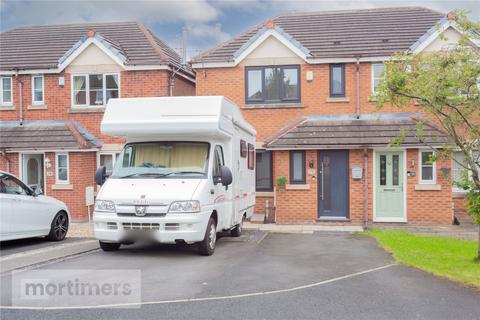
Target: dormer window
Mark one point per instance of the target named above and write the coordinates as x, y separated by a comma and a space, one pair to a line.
94, 89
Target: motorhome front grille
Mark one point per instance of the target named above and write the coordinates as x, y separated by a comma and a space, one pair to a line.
132, 214
140, 226
172, 226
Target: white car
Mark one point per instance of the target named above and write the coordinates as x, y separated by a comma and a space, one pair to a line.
26, 213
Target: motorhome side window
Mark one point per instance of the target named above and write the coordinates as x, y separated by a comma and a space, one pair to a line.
162, 160
217, 161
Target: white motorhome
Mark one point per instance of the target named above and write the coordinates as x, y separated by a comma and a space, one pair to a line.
185, 173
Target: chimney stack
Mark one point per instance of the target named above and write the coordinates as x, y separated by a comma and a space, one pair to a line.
452, 16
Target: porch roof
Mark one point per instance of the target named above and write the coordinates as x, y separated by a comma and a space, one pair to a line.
349, 132
45, 135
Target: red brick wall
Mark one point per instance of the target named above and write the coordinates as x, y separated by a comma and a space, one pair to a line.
58, 104
429, 207
314, 94
9, 163
183, 87
82, 171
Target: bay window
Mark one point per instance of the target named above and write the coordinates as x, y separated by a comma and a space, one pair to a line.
272, 84
94, 89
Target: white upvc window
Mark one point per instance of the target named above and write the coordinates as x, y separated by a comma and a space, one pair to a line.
62, 171
107, 159
427, 168
6, 91
38, 90
94, 89
378, 75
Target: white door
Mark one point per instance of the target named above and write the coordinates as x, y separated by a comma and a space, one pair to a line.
29, 215
220, 195
32, 170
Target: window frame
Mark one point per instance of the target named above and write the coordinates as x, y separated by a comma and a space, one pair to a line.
421, 165
343, 93
270, 187
34, 102
221, 159
2, 102
250, 156
87, 88
304, 160
57, 180
263, 100
113, 154
373, 75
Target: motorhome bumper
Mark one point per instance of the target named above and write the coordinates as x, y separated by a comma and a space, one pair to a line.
166, 229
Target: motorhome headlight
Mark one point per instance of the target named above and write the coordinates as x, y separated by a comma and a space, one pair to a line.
184, 206
104, 206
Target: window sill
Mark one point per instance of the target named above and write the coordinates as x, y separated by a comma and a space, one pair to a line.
37, 107
459, 194
338, 100
92, 109
372, 98
6, 108
333, 219
273, 106
297, 187
62, 187
264, 194
428, 187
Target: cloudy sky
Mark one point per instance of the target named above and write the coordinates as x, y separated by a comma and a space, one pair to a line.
208, 22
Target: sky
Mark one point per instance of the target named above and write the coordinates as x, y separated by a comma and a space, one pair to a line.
208, 22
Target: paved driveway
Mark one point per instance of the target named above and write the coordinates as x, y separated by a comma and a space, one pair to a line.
271, 276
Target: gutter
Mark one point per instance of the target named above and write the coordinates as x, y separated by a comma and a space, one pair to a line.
20, 106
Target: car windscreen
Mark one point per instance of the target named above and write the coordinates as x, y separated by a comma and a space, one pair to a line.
162, 160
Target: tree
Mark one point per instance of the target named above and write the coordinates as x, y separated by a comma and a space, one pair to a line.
445, 87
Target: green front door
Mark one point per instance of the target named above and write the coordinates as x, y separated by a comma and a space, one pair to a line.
389, 188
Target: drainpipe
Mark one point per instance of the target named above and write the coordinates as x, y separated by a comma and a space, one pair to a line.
357, 89
365, 186
20, 88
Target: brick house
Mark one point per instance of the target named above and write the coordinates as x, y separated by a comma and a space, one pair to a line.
306, 81
55, 82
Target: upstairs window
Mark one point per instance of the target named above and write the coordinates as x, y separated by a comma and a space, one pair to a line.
276, 84
94, 89
37, 90
6, 91
378, 75
337, 80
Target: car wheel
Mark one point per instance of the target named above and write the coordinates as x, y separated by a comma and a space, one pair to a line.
207, 246
237, 230
59, 227
109, 246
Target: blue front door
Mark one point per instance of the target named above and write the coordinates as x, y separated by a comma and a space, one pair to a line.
333, 193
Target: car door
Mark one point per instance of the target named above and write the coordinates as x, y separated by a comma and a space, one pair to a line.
220, 194
6, 209
29, 214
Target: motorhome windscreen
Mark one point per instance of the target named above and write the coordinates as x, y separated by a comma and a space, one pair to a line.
162, 160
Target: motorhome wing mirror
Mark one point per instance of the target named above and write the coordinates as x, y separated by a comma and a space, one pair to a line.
226, 175
101, 175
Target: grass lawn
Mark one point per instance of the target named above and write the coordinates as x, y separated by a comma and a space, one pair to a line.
446, 257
